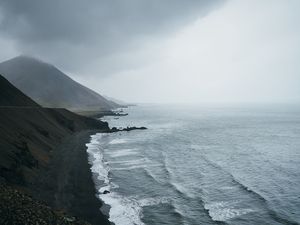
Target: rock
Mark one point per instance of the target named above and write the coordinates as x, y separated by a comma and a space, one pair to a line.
134, 128
106, 192
70, 219
114, 129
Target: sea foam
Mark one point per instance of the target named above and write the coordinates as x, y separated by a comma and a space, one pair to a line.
118, 141
96, 159
124, 210
123, 152
222, 211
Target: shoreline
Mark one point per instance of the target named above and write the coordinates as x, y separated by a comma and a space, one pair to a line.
70, 180
120, 212
56, 170
91, 150
100, 114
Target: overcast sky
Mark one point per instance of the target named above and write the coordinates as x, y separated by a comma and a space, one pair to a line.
170, 51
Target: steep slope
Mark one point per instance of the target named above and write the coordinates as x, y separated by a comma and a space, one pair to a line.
10, 96
120, 102
50, 87
35, 158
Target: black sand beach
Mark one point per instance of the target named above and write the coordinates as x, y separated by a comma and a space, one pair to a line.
69, 179
44, 170
43, 154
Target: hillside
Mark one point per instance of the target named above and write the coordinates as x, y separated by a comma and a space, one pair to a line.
10, 96
50, 87
40, 150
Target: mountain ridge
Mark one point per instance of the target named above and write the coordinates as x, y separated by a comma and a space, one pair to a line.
50, 87
12, 97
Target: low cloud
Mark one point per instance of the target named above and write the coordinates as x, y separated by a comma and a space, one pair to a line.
78, 34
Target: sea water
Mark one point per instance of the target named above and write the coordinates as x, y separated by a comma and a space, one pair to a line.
201, 165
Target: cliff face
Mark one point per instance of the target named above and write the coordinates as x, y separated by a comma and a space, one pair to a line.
33, 159
50, 87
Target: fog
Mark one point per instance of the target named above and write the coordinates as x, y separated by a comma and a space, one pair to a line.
227, 52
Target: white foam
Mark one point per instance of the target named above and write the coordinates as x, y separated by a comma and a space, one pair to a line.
228, 187
222, 211
129, 168
122, 152
134, 164
118, 141
96, 159
124, 210
128, 211
153, 201
131, 162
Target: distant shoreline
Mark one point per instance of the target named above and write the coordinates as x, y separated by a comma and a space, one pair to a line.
99, 114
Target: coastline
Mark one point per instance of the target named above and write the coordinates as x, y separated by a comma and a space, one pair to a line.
121, 210
55, 169
44, 170
70, 180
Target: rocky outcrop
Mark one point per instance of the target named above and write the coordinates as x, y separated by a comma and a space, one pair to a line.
114, 129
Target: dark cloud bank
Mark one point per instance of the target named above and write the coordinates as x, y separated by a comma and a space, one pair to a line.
72, 33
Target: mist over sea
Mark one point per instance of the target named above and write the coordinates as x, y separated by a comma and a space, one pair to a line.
201, 165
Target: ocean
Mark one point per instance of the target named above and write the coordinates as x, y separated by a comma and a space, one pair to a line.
200, 165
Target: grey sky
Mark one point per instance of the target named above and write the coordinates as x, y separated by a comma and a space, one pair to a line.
75, 33
164, 50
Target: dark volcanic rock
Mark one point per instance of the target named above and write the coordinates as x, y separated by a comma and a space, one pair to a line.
134, 128
34, 157
17, 208
114, 129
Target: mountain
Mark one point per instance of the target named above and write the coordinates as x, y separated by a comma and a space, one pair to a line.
43, 154
11, 97
120, 102
50, 87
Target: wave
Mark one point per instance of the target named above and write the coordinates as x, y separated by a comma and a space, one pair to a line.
123, 210
234, 179
118, 141
131, 162
173, 182
128, 210
98, 167
123, 152
225, 210
154, 201
222, 211
158, 179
